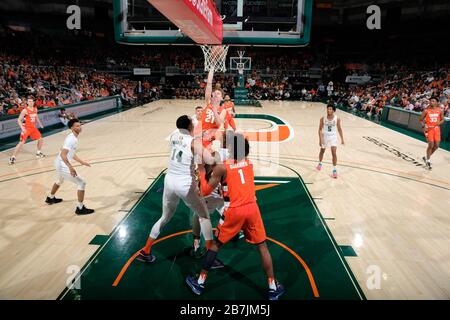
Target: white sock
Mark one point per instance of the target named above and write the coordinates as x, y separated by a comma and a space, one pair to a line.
206, 229
80, 205
52, 196
272, 285
320, 163
201, 279
196, 244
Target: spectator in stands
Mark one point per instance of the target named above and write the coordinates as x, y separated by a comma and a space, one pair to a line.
64, 117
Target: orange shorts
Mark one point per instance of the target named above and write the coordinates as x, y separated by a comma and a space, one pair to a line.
246, 218
30, 132
433, 134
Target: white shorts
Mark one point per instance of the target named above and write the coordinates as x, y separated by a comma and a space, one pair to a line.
329, 141
186, 189
63, 173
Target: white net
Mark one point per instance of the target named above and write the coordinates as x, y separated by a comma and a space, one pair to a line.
215, 57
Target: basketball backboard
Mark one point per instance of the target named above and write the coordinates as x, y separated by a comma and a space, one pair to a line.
245, 23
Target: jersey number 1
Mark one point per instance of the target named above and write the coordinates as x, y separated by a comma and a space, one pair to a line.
241, 174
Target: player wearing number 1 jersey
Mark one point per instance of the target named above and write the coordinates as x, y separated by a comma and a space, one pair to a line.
431, 119
242, 213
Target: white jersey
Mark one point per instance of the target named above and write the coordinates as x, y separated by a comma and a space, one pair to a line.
181, 161
330, 127
71, 144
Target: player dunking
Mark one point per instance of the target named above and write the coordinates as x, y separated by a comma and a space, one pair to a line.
65, 170
180, 183
242, 214
213, 115
30, 113
328, 128
431, 119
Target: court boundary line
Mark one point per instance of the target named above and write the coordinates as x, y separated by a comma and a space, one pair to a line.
115, 230
330, 236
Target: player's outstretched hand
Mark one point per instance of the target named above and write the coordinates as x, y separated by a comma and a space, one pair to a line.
86, 164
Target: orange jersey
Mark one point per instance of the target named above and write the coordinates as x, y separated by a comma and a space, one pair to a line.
208, 119
241, 183
30, 117
432, 117
229, 105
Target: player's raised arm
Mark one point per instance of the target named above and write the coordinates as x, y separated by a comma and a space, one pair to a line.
208, 89
340, 130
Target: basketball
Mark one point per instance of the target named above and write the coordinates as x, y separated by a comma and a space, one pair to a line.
321, 130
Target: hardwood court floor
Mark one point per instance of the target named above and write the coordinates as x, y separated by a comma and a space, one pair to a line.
390, 210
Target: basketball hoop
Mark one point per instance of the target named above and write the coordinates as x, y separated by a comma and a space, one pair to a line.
215, 57
241, 63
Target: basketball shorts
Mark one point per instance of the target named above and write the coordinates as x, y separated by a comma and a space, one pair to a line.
33, 133
329, 141
246, 218
186, 189
63, 173
433, 134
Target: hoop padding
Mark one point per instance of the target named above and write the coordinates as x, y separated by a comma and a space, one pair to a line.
215, 57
